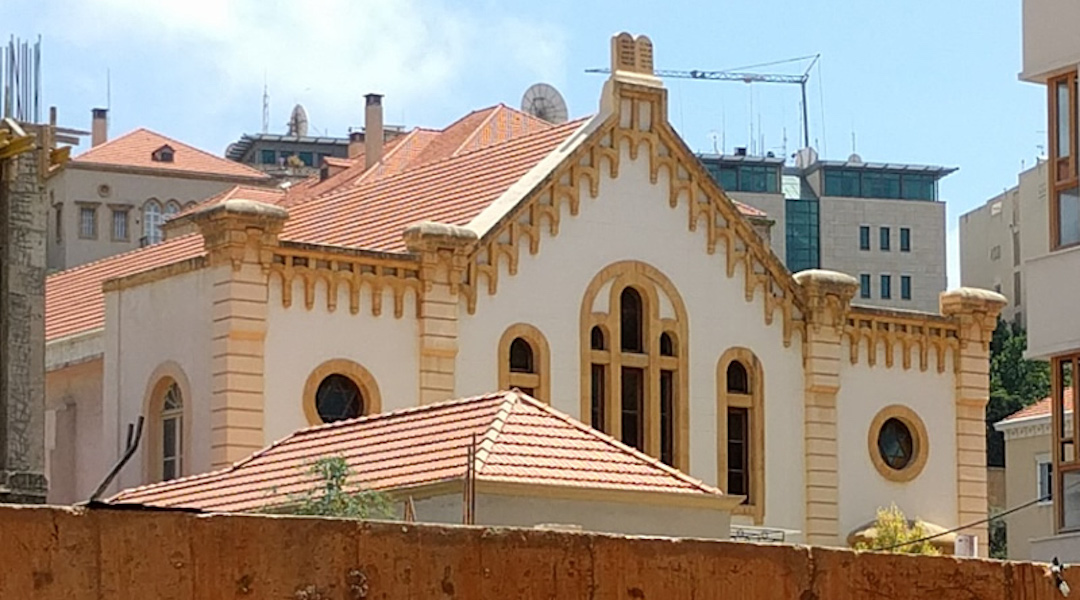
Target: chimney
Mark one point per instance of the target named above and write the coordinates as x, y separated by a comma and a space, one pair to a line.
356, 143
99, 126
373, 130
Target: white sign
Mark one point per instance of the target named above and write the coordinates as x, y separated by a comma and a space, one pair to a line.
966, 545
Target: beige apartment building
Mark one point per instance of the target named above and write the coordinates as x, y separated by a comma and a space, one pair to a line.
115, 196
1051, 49
999, 236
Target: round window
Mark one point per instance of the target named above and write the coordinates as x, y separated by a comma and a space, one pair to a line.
337, 398
896, 444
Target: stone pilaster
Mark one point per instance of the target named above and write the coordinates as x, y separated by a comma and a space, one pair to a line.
976, 312
239, 237
828, 296
23, 214
443, 251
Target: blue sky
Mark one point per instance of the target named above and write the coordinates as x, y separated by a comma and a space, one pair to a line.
918, 81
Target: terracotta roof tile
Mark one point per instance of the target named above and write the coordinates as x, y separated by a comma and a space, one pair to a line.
247, 192
134, 149
74, 302
374, 214
520, 440
1042, 408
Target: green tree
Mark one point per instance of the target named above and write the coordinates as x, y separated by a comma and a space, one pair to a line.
333, 497
896, 534
1014, 384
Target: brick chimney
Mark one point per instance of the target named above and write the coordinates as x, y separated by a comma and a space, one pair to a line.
356, 143
99, 126
373, 130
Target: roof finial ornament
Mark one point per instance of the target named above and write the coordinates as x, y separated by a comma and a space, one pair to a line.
629, 54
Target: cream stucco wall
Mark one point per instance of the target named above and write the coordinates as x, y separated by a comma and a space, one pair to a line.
77, 184
1050, 40
1053, 286
75, 463
1021, 485
864, 391
147, 326
591, 515
299, 339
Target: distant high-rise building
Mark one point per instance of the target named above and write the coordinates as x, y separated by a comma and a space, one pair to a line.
881, 223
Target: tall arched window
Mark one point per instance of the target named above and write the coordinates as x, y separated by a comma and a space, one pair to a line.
171, 208
741, 430
340, 389
152, 219
523, 361
172, 433
634, 386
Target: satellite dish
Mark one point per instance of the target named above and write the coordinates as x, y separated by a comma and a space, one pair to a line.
298, 122
855, 159
544, 102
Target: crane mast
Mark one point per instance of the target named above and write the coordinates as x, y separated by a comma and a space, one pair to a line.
749, 77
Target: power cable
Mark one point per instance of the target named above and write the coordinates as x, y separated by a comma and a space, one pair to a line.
966, 526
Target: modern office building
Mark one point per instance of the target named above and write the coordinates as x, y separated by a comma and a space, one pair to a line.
881, 223
295, 154
997, 237
1051, 50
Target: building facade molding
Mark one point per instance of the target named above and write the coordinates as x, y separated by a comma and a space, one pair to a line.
364, 380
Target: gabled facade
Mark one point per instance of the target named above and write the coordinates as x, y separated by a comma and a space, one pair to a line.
594, 265
115, 197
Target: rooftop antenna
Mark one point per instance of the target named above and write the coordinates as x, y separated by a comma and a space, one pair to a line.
266, 106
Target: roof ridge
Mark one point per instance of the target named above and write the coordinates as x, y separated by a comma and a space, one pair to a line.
476, 130
618, 445
487, 443
107, 143
174, 142
105, 259
395, 413
397, 147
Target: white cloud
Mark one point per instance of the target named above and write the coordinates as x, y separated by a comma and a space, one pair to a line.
328, 53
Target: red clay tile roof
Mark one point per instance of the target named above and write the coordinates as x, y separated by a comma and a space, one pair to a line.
374, 214
748, 210
133, 149
247, 192
74, 302
1042, 408
519, 440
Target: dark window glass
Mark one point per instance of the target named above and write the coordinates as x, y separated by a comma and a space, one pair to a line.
1068, 207
905, 287
521, 357
738, 471
918, 187
895, 444
738, 381
1064, 126
599, 397
528, 391
886, 287
802, 235
864, 237
268, 157
633, 401
631, 319
597, 338
729, 178
337, 398
842, 182
758, 178
169, 435
880, 185
667, 417
667, 345
864, 285
885, 236
905, 239
1017, 289
307, 158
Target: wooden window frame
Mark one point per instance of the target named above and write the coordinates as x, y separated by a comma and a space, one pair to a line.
601, 307
1057, 418
1063, 170
754, 402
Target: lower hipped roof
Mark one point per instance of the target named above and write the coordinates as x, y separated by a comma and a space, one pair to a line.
518, 439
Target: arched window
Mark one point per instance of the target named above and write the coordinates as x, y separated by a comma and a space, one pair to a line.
171, 208
737, 380
172, 433
152, 219
631, 321
635, 388
338, 398
523, 361
340, 389
741, 430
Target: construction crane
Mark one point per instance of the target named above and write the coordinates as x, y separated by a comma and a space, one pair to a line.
745, 76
